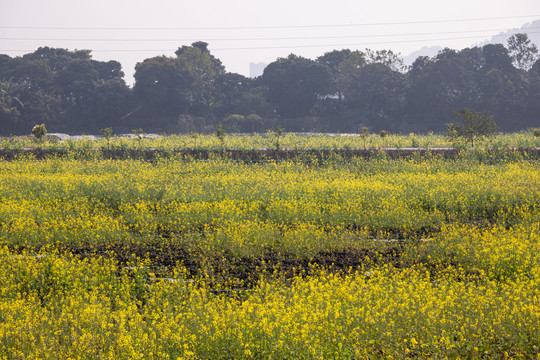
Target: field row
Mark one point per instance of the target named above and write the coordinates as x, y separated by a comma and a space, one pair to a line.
60, 201
365, 258
58, 304
270, 140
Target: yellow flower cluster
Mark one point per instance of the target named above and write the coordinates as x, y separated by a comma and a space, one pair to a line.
501, 251
467, 284
523, 139
248, 207
52, 304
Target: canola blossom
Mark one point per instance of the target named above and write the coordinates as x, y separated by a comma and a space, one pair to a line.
61, 201
524, 139
54, 304
378, 258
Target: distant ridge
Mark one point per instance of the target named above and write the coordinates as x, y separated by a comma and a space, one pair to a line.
532, 29
429, 51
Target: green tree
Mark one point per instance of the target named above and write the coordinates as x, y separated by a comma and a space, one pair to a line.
162, 87
139, 134
221, 133
522, 51
279, 135
383, 134
107, 133
10, 105
473, 126
253, 122
385, 57
39, 131
93, 93
377, 92
349, 65
108, 70
372, 83
203, 69
442, 84
194, 136
496, 56
57, 59
533, 91
364, 134
229, 87
333, 60
111, 100
28, 82
504, 89
69, 90
295, 84
234, 122
254, 101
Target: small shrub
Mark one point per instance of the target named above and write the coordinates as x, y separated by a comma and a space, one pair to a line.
107, 133
364, 133
39, 131
473, 126
221, 133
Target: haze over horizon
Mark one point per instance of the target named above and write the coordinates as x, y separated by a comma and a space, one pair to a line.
239, 32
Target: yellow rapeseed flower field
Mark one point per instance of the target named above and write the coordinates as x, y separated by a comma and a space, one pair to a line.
182, 259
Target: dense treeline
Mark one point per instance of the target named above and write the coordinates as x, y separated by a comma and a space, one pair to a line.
339, 91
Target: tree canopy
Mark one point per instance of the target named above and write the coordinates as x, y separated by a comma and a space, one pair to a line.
341, 90
472, 126
295, 84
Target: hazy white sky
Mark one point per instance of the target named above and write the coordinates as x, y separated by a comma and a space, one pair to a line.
243, 31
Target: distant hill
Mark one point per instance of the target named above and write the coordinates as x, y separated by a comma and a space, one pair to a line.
532, 29
425, 51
